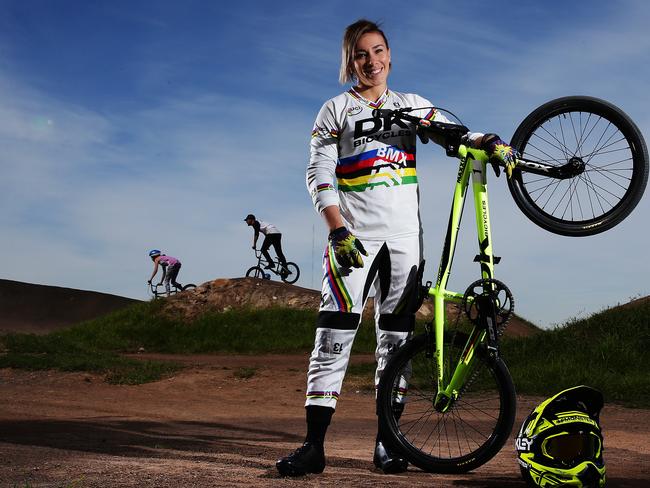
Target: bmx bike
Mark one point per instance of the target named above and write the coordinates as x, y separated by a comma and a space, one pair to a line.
446, 400
157, 290
262, 270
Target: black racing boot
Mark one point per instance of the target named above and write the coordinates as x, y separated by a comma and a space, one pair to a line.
308, 458
388, 461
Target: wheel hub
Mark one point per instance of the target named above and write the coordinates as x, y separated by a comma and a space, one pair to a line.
573, 167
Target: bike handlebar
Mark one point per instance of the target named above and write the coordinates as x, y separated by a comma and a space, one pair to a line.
451, 134
450, 137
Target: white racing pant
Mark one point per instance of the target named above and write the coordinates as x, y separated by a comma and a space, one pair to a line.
390, 271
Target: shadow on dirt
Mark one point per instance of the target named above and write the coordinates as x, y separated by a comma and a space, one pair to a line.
133, 438
249, 446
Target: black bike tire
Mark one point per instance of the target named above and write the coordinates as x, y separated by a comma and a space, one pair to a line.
189, 286
427, 461
255, 272
625, 204
293, 277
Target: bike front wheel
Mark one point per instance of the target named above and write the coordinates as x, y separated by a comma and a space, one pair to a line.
470, 432
596, 137
291, 274
255, 272
189, 286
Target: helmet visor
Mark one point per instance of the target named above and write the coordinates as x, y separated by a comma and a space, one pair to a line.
572, 448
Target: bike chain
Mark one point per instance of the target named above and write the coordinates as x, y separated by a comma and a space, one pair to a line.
495, 287
503, 316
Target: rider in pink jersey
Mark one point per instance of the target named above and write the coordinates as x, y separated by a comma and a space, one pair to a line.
170, 266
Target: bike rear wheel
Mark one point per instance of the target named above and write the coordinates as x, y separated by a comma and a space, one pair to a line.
598, 137
469, 433
255, 272
292, 275
189, 286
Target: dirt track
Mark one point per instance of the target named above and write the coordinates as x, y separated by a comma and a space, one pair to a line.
206, 427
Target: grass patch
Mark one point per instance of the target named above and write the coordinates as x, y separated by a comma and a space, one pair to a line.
608, 351
275, 330
97, 345
115, 368
77, 349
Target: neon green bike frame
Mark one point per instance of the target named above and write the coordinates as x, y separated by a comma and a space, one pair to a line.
473, 165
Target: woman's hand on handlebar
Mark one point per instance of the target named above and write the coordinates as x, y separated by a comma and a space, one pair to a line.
500, 151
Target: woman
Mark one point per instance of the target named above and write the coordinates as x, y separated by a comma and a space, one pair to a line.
362, 179
171, 266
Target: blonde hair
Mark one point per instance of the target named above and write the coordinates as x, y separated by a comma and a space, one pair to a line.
351, 36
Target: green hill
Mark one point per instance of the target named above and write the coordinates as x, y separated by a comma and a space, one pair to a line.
608, 350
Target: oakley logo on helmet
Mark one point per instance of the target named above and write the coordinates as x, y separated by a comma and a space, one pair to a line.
523, 443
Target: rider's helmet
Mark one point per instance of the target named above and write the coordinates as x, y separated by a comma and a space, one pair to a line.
154, 252
560, 443
249, 217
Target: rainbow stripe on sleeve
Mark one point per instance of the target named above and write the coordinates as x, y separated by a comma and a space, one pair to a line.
324, 187
322, 131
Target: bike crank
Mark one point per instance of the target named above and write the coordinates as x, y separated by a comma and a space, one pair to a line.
489, 304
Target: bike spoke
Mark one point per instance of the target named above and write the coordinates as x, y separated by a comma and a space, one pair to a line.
599, 197
466, 426
544, 151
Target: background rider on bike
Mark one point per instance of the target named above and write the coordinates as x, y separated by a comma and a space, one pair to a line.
170, 266
272, 237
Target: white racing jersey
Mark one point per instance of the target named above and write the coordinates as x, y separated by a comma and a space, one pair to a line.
267, 229
367, 165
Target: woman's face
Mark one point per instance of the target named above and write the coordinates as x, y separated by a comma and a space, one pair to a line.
371, 60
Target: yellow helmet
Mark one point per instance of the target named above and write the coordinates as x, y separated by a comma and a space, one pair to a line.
561, 444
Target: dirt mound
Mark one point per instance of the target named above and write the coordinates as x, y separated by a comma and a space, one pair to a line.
39, 309
223, 294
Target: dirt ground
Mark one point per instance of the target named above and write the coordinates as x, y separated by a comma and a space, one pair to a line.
207, 427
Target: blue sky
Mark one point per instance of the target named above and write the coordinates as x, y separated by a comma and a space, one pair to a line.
127, 125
